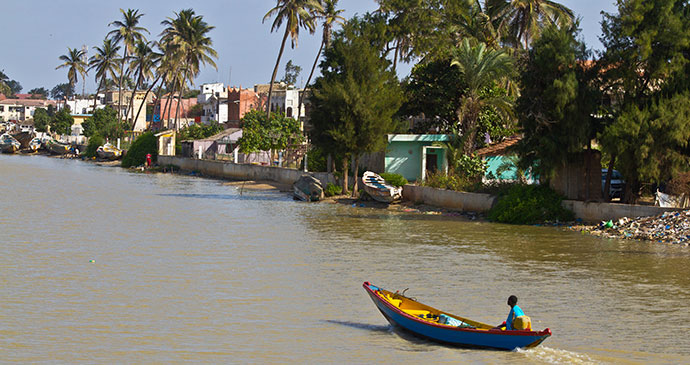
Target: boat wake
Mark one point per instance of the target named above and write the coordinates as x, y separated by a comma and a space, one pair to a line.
556, 356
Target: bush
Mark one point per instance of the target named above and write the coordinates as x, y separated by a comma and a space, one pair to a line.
529, 204
332, 190
94, 142
394, 179
136, 155
450, 181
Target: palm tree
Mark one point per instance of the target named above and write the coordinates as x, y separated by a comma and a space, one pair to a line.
330, 16
129, 33
296, 14
187, 34
144, 60
524, 19
74, 62
480, 68
106, 63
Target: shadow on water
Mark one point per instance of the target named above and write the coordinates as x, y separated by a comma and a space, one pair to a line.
400, 332
272, 197
362, 326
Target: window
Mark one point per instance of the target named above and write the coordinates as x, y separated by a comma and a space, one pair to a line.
2, 108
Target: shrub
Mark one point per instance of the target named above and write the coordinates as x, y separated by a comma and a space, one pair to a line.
450, 181
394, 179
94, 142
332, 190
529, 204
136, 155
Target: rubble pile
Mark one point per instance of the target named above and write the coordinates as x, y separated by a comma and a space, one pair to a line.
669, 227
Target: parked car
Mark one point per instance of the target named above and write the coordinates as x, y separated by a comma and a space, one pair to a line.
617, 183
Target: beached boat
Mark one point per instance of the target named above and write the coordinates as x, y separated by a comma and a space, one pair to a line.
378, 189
433, 324
24, 138
109, 152
9, 144
35, 144
307, 188
58, 148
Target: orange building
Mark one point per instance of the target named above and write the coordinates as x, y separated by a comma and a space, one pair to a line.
240, 101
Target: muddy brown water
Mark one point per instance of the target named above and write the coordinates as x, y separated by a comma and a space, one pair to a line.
102, 265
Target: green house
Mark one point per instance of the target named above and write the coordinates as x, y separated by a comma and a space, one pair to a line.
415, 156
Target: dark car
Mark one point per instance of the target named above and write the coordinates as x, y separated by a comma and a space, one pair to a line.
617, 183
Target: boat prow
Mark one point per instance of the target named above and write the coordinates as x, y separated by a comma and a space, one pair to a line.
445, 328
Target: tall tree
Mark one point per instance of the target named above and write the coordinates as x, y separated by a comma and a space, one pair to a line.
480, 68
557, 103
292, 72
524, 19
75, 64
329, 17
143, 62
355, 98
106, 63
4, 89
645, 67
188, 34
128, 32
296, 14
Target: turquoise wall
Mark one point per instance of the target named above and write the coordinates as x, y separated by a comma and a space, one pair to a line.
493, 164
405, 158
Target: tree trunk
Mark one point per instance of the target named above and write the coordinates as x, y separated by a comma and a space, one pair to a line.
329, 163
98, 89
355, 188
275, 72
119, 87
346, 171
131, 100
145, 96
609, 173
395, 55
179, 99
304, 92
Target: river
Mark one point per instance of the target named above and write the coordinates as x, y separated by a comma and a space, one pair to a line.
103, 265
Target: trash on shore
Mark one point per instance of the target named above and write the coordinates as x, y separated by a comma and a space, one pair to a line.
669, 227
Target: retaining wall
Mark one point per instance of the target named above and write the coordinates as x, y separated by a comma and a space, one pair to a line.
233, 171
588, 212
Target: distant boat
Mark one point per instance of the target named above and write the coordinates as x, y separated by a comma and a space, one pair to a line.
308, 188
445, 328
109, 152
378, 189
9, 144
58, 148
35, 144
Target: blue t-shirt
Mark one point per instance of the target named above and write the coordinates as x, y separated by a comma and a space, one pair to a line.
514, 313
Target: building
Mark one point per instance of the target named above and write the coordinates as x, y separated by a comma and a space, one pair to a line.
141, 99
284, 99
85, 106
165, 111
22, 109
240, 102
415, 156
214, 101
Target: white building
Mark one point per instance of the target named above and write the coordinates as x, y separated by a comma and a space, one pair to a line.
284, 99
214, 102
84, 106
21, 109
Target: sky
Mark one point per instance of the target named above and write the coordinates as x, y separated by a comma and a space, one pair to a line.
36, 32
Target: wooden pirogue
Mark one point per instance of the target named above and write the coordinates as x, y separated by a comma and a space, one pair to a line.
429, 323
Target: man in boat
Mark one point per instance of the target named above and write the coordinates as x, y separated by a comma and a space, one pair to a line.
517, 320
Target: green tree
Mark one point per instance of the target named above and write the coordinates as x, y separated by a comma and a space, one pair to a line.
106, 63
129, 33
104, 122
41, 120
524, 19
292, 72
39, 92
75, 64
260, 133
62, 122
355, 98
645, 68
143, 145
14, 86
557, 101
143, 62
187, 35
296, 14
61, 91
480, 68
4, 89
199, 131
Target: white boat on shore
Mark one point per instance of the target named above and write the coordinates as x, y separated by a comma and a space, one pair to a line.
378, 189
9, 144
109, 152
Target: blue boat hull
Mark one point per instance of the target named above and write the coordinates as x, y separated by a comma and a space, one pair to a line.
455, 336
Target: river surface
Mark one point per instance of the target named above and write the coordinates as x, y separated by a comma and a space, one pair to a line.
103, 265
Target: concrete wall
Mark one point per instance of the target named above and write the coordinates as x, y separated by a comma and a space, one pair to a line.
474, 202
229, 170
471, 202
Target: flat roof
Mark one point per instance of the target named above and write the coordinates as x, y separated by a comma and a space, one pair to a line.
418, 138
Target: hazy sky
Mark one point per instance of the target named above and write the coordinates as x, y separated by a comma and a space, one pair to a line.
36, 32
